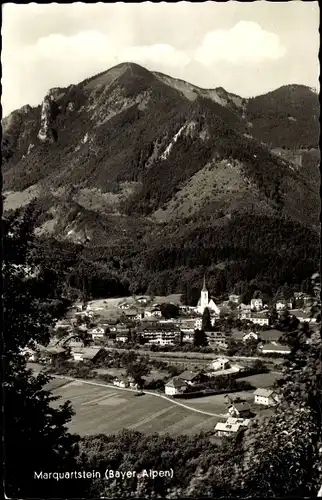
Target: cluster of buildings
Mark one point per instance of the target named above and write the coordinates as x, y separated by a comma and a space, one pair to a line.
142, 322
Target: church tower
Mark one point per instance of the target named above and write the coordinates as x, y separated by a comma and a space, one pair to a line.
204, 299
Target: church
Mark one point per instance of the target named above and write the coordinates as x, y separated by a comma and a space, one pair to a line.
204, 302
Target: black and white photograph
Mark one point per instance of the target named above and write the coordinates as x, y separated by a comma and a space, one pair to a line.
161, 248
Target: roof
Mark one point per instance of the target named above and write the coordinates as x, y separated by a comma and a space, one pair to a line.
87, 352
225, 427
258, 299
270, 334
241, 421
265, 393
259, 315
241, 406
55, 350
188, 375
276, 347
131, 312
175, 382
300, 314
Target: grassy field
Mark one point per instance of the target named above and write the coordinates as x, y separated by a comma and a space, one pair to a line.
107, 410
263, 380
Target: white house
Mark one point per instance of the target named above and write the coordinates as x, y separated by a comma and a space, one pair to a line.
86, 353
259, 319
283, 304
175, 386
31, 355
249, 336
125, 382
266, 397
220, 363
256, 304
198, 323
97, 333
206, 302
122, 337
231, 426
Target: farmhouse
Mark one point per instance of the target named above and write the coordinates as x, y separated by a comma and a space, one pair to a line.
256, 304
175, 386
31, 355
86, 353
266, 397
220, 363
142, 300
131, 314
259, 319
231, 426
192, 378
240, 410
243, 336
274, 349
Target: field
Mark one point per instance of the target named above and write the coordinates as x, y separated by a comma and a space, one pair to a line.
107, 410
263, 380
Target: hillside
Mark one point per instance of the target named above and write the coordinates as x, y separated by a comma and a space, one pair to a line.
150, 167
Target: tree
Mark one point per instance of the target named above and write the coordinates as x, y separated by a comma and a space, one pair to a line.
206, 320
138, 368
169, 310
36, 437
200, 339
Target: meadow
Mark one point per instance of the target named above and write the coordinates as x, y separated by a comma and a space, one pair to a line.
107, 410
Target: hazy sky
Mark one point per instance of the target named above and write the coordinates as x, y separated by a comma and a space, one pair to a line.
247, 48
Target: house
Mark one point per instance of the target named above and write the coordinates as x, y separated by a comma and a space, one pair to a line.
160, 333
156, 312
86, 353
125, 382
97, 333
220, 363
142, 300
131, 314
243, 336
283, 304
270, 335
266, 397
175, 386
256, 304
250, 336
231, 426
274, 349
259, 319
31, 355
240, 410
64, 324
122, 337
198, 322
188, 336
124, 305
192, 378
206, 302
234, 298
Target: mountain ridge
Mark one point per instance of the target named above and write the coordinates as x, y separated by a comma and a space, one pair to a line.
125, 155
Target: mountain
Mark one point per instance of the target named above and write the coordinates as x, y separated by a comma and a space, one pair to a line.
168, 179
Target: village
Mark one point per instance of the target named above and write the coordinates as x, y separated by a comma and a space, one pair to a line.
230, 352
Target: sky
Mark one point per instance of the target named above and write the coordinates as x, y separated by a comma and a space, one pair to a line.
246, 48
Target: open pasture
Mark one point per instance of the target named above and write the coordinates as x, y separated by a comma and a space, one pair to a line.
107, 410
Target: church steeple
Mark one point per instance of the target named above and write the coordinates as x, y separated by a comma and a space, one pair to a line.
204, 288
